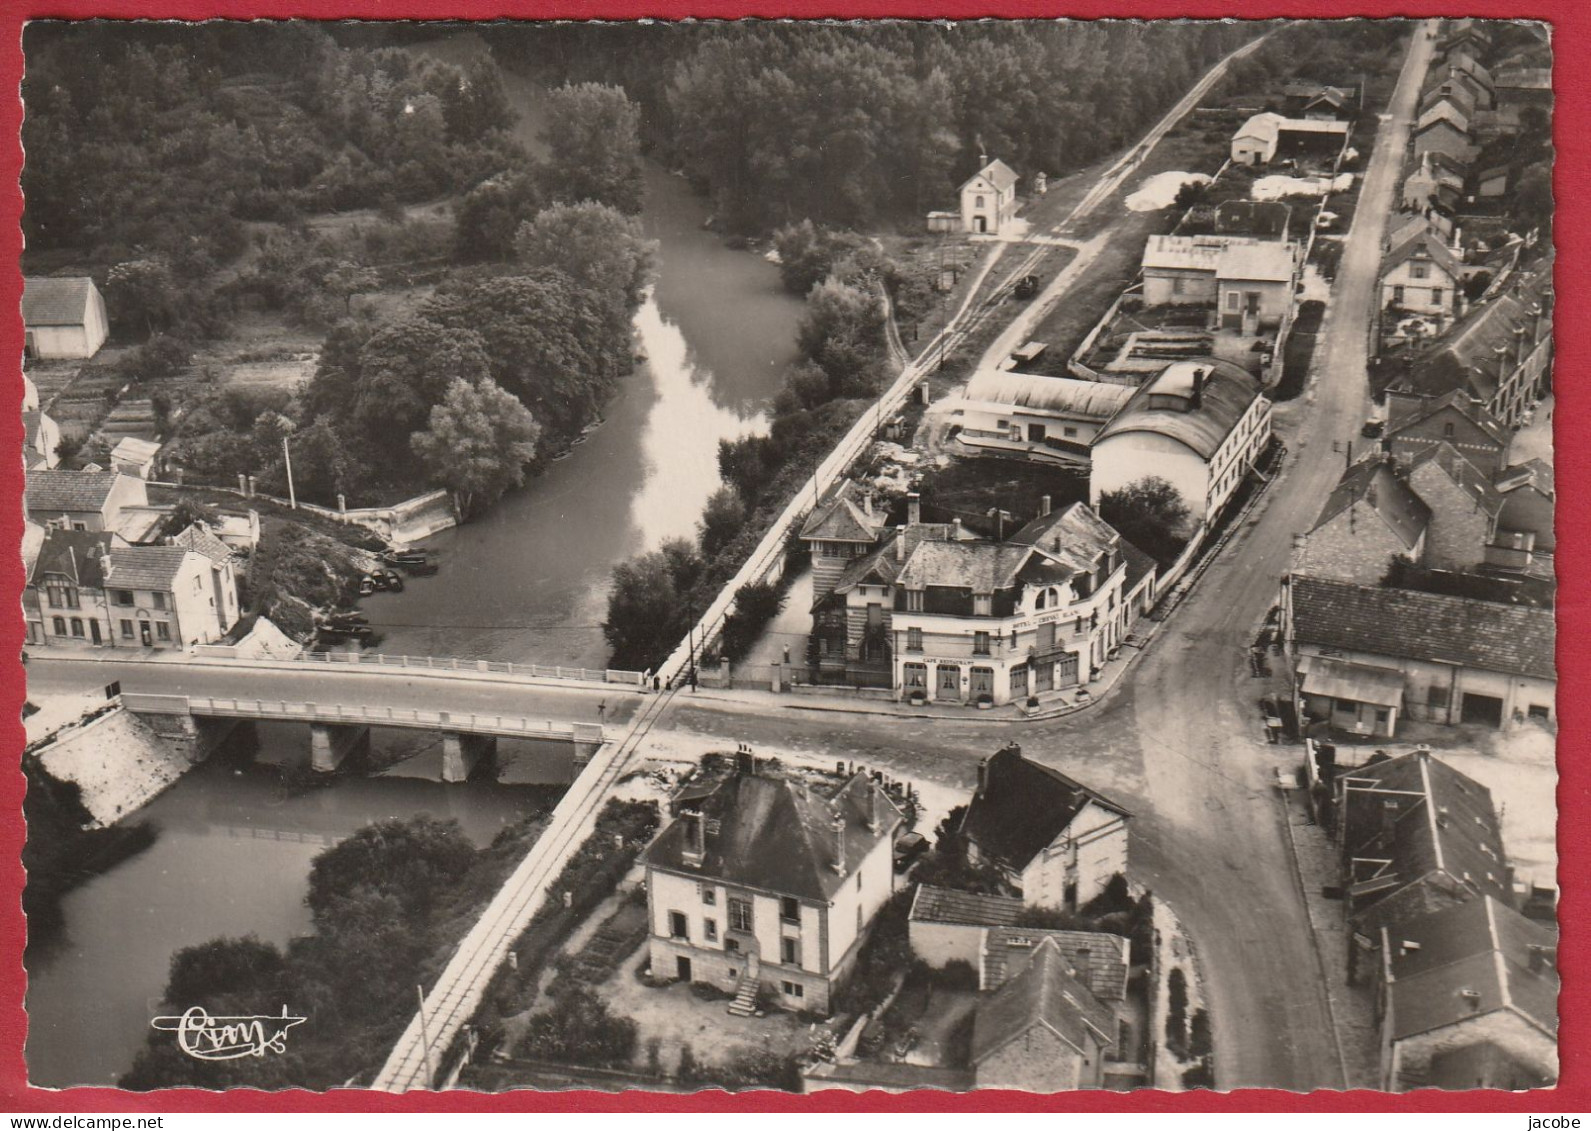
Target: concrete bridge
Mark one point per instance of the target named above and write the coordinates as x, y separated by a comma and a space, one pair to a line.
338, 729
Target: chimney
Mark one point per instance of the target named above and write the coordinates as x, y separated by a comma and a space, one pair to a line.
1541, 959
914, 508
955, 529
695, 836
872, 810
900, 544
1409, 946
1044, 505
1501, 350
867, 504
1472, 998
745, 761
1197, 400
839, 843
983, 777
1389, 815
1520, 349
1057, 543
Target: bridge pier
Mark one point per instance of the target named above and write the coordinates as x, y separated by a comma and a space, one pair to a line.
197, 737
461, 753
330, 743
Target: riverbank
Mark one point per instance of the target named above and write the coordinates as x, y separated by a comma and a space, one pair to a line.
116, 762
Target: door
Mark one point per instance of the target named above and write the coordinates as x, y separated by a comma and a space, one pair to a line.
949, 686
143, 634
1486, 709
93, 632
1046, 637
980, 224
682, 967
1035, 433
1066, 670
982, 682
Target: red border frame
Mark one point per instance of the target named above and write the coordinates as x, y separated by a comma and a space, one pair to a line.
1571, 20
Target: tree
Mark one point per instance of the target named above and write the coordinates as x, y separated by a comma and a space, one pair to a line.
722, 519
405, 369
1151, 514
842, 331
221, 968
594, 145
412, 860
489, 214
756, 604
478, 443
594, 244
808, 253
1177, 1012
648, 610
141, 295
348, 279
579, 1028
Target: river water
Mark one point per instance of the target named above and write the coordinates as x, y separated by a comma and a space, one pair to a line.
528, 580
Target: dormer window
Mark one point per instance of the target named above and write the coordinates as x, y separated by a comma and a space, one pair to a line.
914, 600
982, 605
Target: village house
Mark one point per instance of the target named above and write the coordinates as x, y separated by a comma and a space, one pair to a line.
764, 883
971, 621
1468, 998
41, 436
1525, 518
1043, 1030
1249, 281
1371, 517
1500, 353
223, 572
132, 456
988, 199
1319, 101
1436, 183
1200, 425
841, 529
1462, 61
63, 317
81, 500
1457, 88
1444, 129
63, 601
1463, 504
1056, 842
1416, 836
1365, 654
1522, 88
1049, 419
1422, 281
1268, 137
1416, 425
1465, 35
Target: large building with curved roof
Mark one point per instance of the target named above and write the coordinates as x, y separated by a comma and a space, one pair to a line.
1201, 425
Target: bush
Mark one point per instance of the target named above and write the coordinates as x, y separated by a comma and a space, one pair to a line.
1199, 1039
756, 604
706, 991
1177, 1013
579, 1029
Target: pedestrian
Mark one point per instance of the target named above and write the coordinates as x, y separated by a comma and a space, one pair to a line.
787, 653
657, 683
602, 711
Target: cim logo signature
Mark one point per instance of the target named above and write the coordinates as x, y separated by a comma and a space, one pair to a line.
204, 1037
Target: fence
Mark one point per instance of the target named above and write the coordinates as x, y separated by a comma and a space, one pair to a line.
500, 725
454, 664
1075, 364
407, 521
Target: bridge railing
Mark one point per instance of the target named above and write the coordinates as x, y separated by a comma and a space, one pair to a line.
456, 664
509, 726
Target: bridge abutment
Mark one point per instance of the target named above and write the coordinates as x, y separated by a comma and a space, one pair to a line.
461, 753
330, 743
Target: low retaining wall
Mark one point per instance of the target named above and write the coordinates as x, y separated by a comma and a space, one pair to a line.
118, 761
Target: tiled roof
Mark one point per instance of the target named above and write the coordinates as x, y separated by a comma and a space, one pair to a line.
963, 908
1311, 126
77, 554
1044, 993
1184, 253
1532, 473
775, 836
134, 450
1459, 401
1469, 478
55, 491
201, 541
1227, 394
1267, 219
1262, 260
1099, 960
981, 567
1138, 563
1423, 243
844, 517
56, 301
1262, 126
997, 173
1440, 112
1486, 1065
1023, 806
152, 568
1470, 960
1423, 626
1074, 534
1373, 485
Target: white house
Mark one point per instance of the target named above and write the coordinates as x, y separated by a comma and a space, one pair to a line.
81, 500
223, 595
41, 435
132, 456
63, 317
1200, 425
1421, 278
988, 199
1250, 281
1045, 418
1255, 140
1055, 840
767, 883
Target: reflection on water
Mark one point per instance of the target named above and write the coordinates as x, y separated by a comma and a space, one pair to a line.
529, 579
232, 858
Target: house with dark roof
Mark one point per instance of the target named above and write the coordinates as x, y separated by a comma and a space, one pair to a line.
1371, 517
63, 601
952, 617
1201, 425
1367, 652
1468, 998
1319, 100
1421, 284
1463, 504
1417, 425
770, 883
1444, 129
1500, 352
1525, 520
1055, 841
1043, 1030
80, 500
1436, 182
63, 317
988, 199
1416, 836
844, 527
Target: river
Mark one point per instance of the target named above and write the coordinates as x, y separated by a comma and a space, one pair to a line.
529, 579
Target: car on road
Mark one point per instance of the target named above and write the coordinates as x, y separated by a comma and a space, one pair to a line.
907, 849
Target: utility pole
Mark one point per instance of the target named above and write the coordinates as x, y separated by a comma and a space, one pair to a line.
287, 458
425, 1031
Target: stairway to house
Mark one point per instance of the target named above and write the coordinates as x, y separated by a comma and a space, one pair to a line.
745, 1003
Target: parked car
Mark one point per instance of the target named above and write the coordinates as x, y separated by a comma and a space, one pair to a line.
907, 849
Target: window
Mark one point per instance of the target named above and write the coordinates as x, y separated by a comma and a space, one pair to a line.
122, 596
914, 600
198, 585
791, 989
162, 630
1178, 285
1232, 299
60, 626
982, 605
740, 914
980, 643
1436, 696
914, 640
790, 909
1537, 711
710, 930
1418, 270
977, 202
678, 927
710, 896
79, 526
1447, 430
1069, 433
127, 630
1436, 296
1397, 296
1382, 717
62, 596
77, 626
790, 952
160, 600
